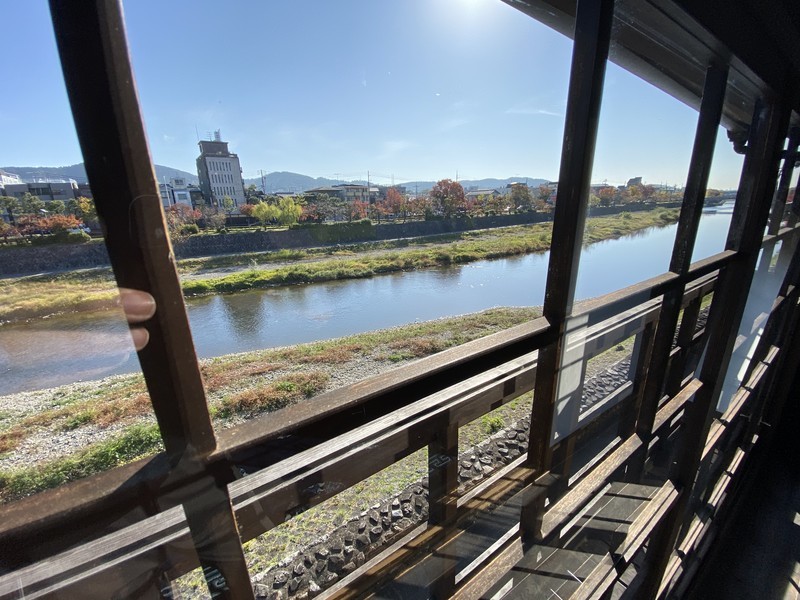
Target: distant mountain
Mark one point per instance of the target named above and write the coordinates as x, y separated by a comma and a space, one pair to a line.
277, 181
78, 173
285, 181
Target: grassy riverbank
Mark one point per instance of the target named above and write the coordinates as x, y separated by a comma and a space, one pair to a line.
238, 387
39, 296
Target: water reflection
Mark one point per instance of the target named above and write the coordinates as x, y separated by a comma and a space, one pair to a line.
43, 354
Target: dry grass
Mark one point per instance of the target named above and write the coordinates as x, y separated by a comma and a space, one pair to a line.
273, 396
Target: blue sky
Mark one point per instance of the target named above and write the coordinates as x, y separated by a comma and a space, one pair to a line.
415, 89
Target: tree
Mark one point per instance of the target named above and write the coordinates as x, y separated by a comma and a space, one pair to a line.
55, 207
312, 214
632, 193
247, 209
252, 194
179, 216
379, 209
496, 204
419, 206
521, 198
607, 195
228, 205
30, 204
447, 197
543, 193
290, 210
7, 231
213, 218
357, 210
265, 213
11, 207
330, 207
396, 203
83, 208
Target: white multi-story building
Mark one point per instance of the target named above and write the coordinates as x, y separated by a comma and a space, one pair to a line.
7, 178
177, 191
219, 172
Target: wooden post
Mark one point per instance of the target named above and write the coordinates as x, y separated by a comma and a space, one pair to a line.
99, 79
694, 196
589, 58
757, 184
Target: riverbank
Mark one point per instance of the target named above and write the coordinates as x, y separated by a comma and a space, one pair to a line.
83, 291
49, 437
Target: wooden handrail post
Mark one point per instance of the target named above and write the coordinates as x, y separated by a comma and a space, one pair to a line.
589, 58
769, 127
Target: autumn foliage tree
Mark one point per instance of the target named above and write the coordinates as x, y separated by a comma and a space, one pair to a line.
179, 217
448, 197
607, 195
357, 210
396, 203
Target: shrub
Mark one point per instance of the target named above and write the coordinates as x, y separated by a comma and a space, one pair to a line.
492, 424
190, 229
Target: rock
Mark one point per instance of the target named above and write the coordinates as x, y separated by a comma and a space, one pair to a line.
281, 578
335, 563
313, 588
376, 532
487, 470
328, 579
321, 553
349, 568
395, 504
397, 514
299, 569
335, 544
360, 558
362, 541
374, 517
294, 584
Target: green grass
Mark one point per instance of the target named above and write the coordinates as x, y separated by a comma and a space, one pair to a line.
136, 442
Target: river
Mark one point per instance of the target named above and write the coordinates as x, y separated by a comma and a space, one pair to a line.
65, 349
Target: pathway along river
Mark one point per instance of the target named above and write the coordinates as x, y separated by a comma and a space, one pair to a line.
61, 350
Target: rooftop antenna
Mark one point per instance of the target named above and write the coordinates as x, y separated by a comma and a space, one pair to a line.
197, 133
217, 135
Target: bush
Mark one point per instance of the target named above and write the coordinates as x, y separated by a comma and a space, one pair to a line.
190, 229
62, 237
492, 425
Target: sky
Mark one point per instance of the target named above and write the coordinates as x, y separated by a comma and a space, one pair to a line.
400, 91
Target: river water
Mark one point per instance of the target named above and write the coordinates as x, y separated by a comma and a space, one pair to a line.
70, 348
